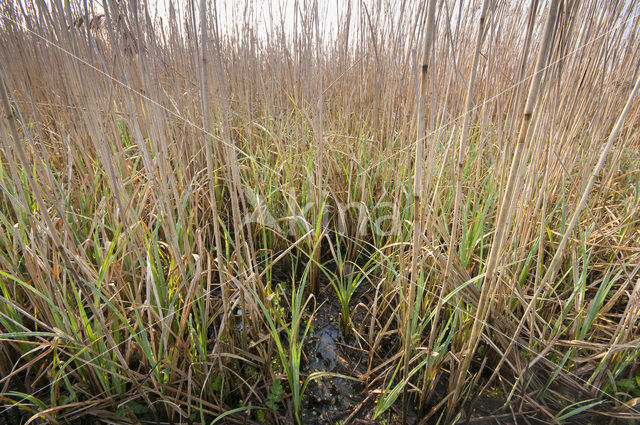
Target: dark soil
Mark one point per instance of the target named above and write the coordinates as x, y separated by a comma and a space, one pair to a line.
331, 399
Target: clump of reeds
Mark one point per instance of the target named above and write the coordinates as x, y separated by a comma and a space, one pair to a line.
181, 194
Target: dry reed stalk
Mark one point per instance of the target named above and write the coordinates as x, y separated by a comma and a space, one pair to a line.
229, 147
523, 65
504, 215
417, 197
459, 165
319, 152
211, 172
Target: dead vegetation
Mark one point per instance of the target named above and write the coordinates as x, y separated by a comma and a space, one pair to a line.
191, 208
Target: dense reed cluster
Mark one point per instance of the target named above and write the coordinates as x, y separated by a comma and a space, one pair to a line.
390, 211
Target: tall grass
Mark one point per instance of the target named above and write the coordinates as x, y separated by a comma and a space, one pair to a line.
183, 198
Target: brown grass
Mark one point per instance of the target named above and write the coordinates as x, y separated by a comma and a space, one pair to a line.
180, 200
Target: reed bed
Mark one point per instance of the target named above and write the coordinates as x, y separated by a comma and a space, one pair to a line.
192, 202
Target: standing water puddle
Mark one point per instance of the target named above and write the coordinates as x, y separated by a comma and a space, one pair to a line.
331, 398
